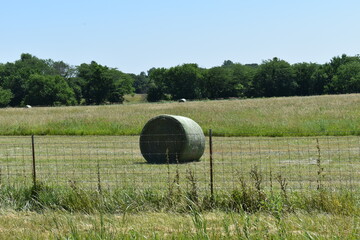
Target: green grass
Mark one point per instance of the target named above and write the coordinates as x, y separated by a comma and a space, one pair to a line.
135, 98
178, 207
265, 188
293, 116
108, 162
150, 225
69, 213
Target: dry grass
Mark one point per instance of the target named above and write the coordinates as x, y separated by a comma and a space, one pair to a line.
294, 116
148, 225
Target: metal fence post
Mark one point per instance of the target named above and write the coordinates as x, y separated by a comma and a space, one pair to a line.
33, 160
211, 165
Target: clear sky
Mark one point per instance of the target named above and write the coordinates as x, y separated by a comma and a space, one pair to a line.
136, 35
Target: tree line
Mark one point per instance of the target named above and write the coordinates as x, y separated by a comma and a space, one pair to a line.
40, 82
271, 78
44, 82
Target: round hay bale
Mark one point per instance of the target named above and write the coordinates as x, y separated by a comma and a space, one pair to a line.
172, 139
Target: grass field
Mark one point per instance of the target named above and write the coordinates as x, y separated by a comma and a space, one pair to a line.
295, 116
116, 161
150, 225
301, 185
135, 98
313, 193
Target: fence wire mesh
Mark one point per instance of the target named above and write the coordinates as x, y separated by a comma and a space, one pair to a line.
110, 162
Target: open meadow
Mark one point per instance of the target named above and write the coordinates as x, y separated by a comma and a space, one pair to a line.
283, 168
290, 116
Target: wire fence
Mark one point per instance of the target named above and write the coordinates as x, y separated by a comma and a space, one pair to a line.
110, 162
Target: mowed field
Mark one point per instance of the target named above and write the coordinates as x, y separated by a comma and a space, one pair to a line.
111, 162
284, 144
294, 116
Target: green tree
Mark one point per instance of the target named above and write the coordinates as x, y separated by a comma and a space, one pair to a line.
155, 93
319, 80
331, 70
15, 75
229, 80
274, 78
227, 63
46, 90
219, 83
157, 84
5, 97
122, 84
141, 82
77, 85
303, 76
347, 78
243, 76
97, 82
60, 68
185, 81
101, 84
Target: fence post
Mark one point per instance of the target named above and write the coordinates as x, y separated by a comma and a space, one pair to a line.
99, 178
33, 160
211, 166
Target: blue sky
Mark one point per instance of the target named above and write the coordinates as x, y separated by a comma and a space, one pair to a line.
135, 36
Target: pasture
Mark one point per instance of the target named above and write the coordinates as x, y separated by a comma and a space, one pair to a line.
291, 116
110, 162
283, 168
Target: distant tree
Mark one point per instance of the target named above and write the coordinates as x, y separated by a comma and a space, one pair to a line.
5, 97
96, 82
93, 83
157, 84
2, 73
274, 78
155, 93
303, 76
15, 75
185, 81
234, 80
227, 63
337, 62
243, 76
60, 68
319, 80
101, 84
252, 65
77, 84
29, 64
220, 83
16, 85
122, 84
331, 71
141, 82
347, 78
47, 90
